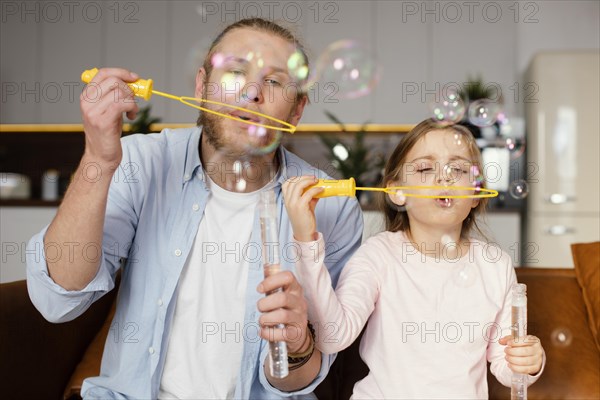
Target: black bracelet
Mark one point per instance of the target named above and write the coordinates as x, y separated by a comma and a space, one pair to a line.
300, 361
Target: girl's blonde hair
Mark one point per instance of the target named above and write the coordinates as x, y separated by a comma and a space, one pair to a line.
396, 218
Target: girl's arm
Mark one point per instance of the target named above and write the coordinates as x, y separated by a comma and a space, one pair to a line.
338, 317
505, 356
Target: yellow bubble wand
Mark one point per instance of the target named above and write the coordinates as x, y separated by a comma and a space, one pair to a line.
347, 187
144, 88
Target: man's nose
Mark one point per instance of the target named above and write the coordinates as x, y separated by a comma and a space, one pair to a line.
252, 92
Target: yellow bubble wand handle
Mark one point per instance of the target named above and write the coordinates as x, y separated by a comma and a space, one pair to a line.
347, 187
144, 88
141, 88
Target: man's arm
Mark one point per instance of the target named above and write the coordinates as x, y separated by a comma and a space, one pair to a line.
80, 218
288, 307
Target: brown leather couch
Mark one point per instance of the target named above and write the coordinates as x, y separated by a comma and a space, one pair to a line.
41, 360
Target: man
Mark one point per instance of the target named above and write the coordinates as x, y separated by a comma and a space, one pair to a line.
192, 312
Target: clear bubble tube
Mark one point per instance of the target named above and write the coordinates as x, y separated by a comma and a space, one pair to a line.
270, 252
518, 389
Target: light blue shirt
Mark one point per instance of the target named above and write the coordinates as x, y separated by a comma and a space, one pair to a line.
155, 203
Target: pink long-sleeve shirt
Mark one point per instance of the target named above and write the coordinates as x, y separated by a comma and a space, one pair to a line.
433, 322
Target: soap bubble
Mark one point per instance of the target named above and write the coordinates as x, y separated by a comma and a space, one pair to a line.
465, 275
483, 112
447, 109
561, 337
262, 140
452, 173
477, 177
454, 140
347, 65
397, 197
239, 183
519, 189
516, 147
298, 67
451, 249
228, 171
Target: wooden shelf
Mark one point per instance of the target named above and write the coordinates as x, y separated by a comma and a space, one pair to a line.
303, 129
28, 203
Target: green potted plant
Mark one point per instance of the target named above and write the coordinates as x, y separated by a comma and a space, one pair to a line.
353, 159
143, 122
475, 89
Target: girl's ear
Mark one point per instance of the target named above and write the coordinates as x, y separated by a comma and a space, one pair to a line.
398, 198
475, 203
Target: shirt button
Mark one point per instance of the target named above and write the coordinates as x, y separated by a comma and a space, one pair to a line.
159, 302
195, 207
177, 252
186, 176
151, 350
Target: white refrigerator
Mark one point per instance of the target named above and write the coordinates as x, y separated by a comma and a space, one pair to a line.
563, 153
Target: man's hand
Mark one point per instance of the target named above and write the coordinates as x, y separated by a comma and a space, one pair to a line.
286, 307
103, 102
525, 355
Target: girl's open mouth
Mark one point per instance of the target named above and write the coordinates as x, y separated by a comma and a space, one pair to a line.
444, 202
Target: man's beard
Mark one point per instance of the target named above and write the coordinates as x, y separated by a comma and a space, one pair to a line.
213, 130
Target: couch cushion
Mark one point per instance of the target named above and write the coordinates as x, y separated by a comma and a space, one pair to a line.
556, 314
586, 257
38, 356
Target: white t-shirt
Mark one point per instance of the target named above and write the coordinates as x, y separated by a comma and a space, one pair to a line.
206, 342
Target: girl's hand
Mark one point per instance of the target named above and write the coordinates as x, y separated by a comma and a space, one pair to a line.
525, 355
300, 206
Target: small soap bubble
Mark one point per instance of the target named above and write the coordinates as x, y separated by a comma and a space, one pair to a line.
346, 64
516, 147
297, 66
397, 197
465, 275
447, 240
238, 184
477, 178
454, 141
483, 112
519, 189
262, 141
230, 175
561, 337
218, 60
447, 109
452, 173
451, 249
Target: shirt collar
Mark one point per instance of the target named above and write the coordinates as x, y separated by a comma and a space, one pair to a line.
192, 157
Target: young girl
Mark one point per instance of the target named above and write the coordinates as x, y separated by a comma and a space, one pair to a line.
438, 301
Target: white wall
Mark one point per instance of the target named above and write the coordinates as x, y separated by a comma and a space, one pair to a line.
46, 45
